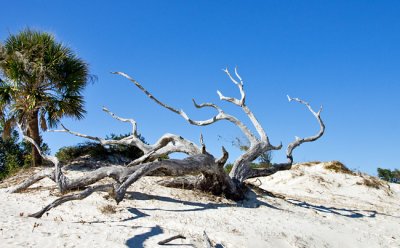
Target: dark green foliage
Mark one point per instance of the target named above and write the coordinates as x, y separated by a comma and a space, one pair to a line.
11, 155
15, 154
392, 176
69, 153
228, 167
263, 161
97, 151
130, 152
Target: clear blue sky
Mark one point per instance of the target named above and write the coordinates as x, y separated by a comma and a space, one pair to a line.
344, 55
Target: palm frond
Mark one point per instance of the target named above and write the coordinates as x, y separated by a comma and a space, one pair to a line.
45, 75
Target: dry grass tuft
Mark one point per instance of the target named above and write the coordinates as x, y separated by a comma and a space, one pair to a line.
338, 167
108, 209
18, 176
372, 182
310, 163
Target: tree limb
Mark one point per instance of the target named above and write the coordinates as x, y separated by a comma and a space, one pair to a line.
298, 141
293, 145
220, 116
72, 197
132, 121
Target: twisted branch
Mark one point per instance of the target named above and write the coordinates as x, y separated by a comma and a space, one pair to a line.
298, 141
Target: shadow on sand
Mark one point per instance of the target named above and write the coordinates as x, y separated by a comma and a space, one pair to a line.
137, 241
351, 213
345, 212
251, 201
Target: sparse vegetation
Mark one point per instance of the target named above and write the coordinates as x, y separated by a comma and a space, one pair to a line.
228, 167
338, 167
310, 163
372, 182
108, 209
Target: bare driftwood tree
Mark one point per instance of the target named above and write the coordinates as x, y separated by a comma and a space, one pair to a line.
200, 170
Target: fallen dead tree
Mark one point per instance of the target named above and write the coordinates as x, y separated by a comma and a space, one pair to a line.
200, 170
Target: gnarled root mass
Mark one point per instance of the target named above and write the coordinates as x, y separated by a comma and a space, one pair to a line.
200, 170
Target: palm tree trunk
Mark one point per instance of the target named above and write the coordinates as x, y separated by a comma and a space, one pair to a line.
33, 126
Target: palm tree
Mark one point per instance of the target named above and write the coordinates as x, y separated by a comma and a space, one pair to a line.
42, 82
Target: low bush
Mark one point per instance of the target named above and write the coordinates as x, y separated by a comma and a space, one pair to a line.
11, 156
97, 151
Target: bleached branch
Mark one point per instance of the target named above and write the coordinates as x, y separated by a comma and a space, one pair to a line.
58, 176
298, 141
241, 103
239, 84
220, 116
132, 121
52, 159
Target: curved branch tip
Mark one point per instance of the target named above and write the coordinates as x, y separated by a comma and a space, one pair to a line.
195, 103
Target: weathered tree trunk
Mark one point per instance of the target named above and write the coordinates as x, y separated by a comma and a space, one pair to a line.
33, 127
200, 170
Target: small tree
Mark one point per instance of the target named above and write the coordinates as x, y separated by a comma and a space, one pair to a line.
389, 175
42, 82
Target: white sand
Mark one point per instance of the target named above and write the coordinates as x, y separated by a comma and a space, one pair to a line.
322, 209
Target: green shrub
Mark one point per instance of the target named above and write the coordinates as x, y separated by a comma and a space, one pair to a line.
70, 153
389, 175
228, 167
11, 155
97, 151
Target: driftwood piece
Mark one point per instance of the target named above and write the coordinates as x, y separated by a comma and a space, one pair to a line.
206, 171
165, 241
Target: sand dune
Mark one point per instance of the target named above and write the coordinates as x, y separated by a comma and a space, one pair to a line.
313, 207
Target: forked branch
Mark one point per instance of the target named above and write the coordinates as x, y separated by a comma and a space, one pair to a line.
220, 116
298, 141
293, 145
241, 103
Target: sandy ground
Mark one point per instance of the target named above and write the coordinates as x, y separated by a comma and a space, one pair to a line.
318, 208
